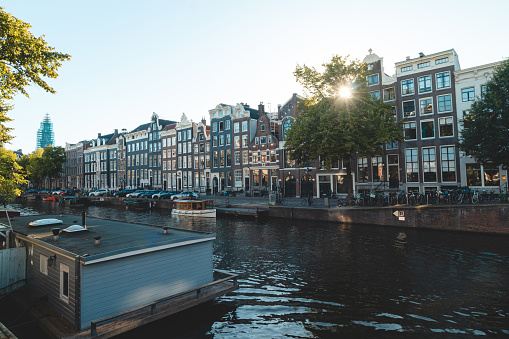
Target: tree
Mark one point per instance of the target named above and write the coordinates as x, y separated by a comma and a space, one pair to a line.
485, 134
24, 60
43, 163
11, 175
331, 127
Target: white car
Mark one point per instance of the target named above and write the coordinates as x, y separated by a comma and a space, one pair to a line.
98, 193
186, 196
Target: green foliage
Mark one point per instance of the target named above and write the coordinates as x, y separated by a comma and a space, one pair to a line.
485, 134
329, 127
43, 163
24, 60
12, 176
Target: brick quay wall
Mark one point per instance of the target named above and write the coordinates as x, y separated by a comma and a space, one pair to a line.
493, 218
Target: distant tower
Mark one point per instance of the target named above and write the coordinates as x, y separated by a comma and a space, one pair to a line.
45, 136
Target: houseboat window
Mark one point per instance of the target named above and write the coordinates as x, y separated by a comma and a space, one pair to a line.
64, 283
43, 266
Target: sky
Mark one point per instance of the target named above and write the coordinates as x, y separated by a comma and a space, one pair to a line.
133, 58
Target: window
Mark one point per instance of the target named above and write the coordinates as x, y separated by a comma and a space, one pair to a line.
373, 79
362, 165
443, 80
228, 124
256, 141
236, 127
375, 94
407, 87
245, 157
491, 176
244, 140
64, 283
236, 141
483, 91
228, 139
286, 127
214, 142
446, 129
473, 174
263, 140
412, 165
447, 158
237, 158
410, 130
407, 68
262, 128
238, 176
427, 129
244, 126
221, 140
468, 94
389, 94
391, 145
429, 164
444, 103
426, 106
423, 64
377, 168
441, 61
43, 264
425, 84
228, 157
408, 109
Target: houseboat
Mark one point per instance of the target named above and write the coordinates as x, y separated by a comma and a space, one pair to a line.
199, 208
100, 278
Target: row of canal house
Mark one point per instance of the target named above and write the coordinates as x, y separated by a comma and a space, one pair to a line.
243, 148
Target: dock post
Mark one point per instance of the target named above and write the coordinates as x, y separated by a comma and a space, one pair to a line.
153, 310
256, 211
198, 293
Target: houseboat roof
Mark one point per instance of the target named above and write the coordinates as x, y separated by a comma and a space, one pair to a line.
117, 239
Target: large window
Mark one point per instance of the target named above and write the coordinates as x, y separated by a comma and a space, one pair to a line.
425, 84
375, 94
444, 103
443, 80
412, 165
491, 176
426, 106
286, 127
377, 168
468, 94
389, 94
448, 160
429, 164
410, 130
441, 61
409, 109
362, 165
427, 129
373, 79
446, 128
474, 174
407, 87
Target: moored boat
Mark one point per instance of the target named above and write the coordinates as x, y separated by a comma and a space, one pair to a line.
198, 208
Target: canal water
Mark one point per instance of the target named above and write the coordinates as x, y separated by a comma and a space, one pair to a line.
307, 279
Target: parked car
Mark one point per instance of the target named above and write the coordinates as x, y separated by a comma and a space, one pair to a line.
186, 195
98, 193
163, 195
147, 194
135, 194
33, 190
57, 192
123, 193
71, 192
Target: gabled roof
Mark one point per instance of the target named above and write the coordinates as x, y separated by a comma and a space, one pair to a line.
162, 122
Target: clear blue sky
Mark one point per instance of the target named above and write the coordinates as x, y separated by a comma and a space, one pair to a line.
132, 58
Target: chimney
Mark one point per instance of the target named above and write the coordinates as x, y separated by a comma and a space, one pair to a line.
204, 121
261, 108
408, 58
116, 132
55, 231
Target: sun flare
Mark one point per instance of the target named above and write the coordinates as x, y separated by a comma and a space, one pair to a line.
345, 92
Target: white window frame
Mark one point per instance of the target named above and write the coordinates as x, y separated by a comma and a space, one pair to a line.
431, 84
452, 124
421, 111
436, 81
43, 264
64, 269
434, 129
413, 87
438, 106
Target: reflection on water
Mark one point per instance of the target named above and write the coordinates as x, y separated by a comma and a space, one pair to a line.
312, 279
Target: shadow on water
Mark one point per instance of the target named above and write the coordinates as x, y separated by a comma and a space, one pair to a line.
310, 279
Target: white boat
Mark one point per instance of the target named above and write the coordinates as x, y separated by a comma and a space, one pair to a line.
45, 222
198, 208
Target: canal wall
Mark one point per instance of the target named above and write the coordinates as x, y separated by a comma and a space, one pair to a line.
473, 218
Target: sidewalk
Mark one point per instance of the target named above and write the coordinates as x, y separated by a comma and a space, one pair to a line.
264, 201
